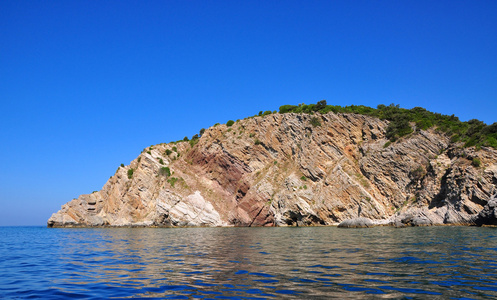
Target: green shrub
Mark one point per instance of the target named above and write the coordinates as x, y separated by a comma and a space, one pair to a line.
202, 131
150, 153
287, 108
161, 161
230, 123
320, 105
168, 152
122, 165
175, 149
172, 181
476, 162
387, 144
303, 178
165, 171
193, 142
315, 122
257, 142
130, 173
186, 139
139, 158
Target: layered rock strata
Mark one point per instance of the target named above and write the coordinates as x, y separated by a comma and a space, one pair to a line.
281, 170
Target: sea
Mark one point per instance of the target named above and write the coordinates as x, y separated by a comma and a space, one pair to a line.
248, 263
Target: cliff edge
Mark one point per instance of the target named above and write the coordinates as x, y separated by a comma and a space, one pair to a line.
299, 170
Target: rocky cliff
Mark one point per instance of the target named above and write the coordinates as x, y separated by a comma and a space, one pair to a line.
291, 169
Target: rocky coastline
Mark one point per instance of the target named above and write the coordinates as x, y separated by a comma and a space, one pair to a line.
289, 170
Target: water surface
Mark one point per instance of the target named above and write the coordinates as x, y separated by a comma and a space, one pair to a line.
249, 263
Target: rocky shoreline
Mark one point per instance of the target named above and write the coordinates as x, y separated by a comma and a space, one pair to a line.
296, 170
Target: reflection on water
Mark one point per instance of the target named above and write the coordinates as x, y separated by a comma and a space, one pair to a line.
249, 263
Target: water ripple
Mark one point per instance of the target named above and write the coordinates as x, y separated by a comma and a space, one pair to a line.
248, 263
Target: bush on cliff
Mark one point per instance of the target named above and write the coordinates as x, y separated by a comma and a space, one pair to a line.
165, 171
315, 122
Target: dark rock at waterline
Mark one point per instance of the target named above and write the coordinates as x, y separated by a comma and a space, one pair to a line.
488, 215
412, 220
356, 223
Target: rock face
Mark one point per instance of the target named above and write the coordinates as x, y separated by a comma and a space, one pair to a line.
488, 216
280, 170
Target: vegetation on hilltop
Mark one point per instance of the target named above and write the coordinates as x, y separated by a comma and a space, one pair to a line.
402, 122
405, 121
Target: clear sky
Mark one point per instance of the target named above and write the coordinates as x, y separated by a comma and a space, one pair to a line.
86, 85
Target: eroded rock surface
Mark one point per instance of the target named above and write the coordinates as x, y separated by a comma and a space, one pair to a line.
357, 223
279, 170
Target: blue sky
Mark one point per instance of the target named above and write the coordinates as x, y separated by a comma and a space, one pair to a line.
86, 85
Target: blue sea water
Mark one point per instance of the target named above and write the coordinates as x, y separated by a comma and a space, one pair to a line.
249, 263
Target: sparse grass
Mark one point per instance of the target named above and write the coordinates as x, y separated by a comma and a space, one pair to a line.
172, 181
364, 182
418, 173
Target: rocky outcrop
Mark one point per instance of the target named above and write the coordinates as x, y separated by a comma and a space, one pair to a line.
488, 216
356, 223
280, 170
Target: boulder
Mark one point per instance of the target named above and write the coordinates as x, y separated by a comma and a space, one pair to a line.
357, 223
